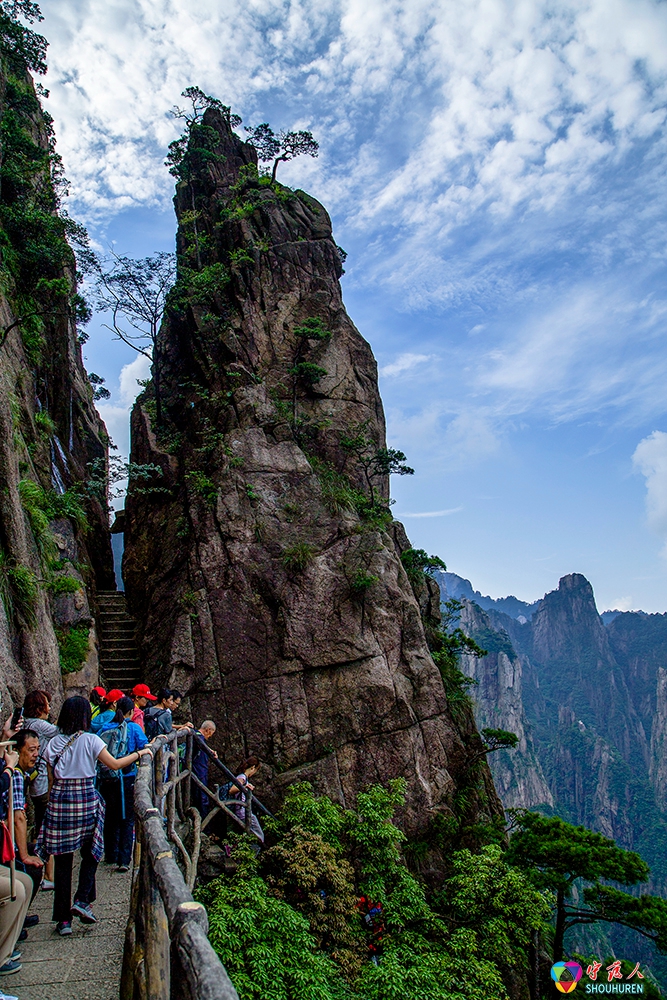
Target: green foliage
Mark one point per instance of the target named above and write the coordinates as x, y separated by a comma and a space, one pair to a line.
265, 945
338, 495
22, 46
362, 582
281, 146
309, 873
103, 480
34, 244
559, 853
499, 739
324, 860
195, 149
417, 562
45, 424
448, 643
201, 486
73, 647
308, 373
374, 461
59, 585
297, 557
43, 506
18, 591
496, 900
241, 256
556, 854
312, 329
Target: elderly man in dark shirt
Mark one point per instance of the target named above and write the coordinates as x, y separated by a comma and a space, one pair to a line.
200, 767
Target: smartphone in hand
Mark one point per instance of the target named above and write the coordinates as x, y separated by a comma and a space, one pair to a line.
16, 717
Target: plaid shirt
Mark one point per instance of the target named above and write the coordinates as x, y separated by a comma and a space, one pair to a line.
75, 814
19, 789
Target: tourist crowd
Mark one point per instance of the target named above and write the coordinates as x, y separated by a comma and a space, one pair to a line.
68, 786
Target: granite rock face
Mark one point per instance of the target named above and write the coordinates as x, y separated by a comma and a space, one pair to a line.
268, 584
498, 699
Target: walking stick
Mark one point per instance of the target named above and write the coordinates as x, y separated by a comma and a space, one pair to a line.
12, 863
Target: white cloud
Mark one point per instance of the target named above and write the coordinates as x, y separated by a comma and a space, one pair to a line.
433, 513
140, 368
116, 416
650, 458
404, 363
622, 604
427, 109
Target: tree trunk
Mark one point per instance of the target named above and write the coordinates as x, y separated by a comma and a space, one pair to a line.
275, 166
560, 925
156, 384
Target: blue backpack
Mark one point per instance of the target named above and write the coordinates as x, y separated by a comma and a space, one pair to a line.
117, 741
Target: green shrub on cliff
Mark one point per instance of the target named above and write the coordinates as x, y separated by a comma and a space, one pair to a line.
305, 903
18, 591
73, 647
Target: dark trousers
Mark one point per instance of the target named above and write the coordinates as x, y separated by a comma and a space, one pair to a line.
85, 893
39, 803
34, 871
118, 828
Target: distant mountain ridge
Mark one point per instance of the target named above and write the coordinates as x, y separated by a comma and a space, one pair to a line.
457, 586
587, 696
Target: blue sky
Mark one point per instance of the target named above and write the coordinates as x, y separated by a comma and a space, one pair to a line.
496, 172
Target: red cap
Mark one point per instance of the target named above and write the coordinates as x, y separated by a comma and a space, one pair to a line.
115, 695
102, 693
143, 691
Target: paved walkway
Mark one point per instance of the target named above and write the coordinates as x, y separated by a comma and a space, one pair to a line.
85, 966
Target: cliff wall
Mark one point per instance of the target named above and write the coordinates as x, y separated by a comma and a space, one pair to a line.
498, 699
268, 583
54, 543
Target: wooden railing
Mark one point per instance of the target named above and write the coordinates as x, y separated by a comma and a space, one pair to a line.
167, 952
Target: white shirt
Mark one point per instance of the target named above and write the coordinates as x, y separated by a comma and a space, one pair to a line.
79, 760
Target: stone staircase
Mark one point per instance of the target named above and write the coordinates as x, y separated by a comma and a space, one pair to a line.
119, 653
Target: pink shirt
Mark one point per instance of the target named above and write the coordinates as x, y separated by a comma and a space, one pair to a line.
138, 717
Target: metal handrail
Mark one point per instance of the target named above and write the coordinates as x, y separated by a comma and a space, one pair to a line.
228, 774
167, 952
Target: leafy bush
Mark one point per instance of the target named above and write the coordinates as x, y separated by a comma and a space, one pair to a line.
308, 372
59, 585
73, 647
45, 424
18, 591
362, 582
325, 858
296, 557
200, 485
265, 945
308, 873
312, 329
417, 562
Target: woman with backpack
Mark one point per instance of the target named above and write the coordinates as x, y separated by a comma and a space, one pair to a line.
122, 737
107, 710
75, 814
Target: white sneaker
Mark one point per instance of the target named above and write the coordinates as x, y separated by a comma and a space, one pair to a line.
46, 886
7, 996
